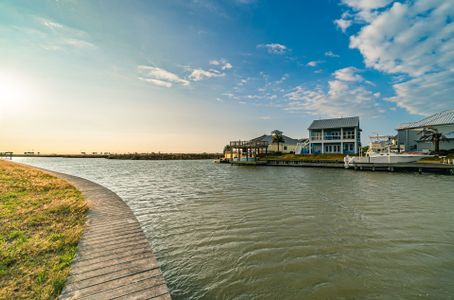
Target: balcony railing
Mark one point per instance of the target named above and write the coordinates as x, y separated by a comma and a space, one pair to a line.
316, 138
332, 137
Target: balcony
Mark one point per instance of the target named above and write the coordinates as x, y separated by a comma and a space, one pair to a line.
349, 136
332, 137
316, 138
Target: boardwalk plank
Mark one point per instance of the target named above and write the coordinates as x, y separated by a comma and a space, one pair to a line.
114, 258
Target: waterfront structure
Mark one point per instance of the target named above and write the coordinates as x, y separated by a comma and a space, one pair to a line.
409, 134
246, 150
335, 136
287, 146
6, 155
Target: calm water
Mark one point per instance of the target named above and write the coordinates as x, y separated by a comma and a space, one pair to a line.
226, 232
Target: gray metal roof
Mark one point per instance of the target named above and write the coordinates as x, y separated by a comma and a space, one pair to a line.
268, 138
335, 123
441, 118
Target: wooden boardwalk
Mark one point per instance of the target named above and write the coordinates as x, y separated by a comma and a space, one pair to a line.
114, 258
405, 167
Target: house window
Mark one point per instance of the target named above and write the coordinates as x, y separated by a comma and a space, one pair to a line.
336, 135
285, 147
316, 135
332, 148
349, 134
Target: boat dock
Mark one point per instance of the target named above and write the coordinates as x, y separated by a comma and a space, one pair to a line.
249, 162
404, 167
388, 167
114, 258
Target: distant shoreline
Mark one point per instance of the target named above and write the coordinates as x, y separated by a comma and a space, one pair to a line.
134, 156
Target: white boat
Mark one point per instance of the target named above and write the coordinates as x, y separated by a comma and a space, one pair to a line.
380, 152
389, 158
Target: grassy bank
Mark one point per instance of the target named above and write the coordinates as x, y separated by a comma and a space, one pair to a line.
437, 159
311, 157
41, 220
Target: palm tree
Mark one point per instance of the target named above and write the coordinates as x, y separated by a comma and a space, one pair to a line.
277, 138
227, 148
431, 134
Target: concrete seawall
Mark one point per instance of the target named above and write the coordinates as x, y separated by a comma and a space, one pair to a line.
114, 259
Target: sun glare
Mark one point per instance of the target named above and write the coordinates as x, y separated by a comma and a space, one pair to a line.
14, 92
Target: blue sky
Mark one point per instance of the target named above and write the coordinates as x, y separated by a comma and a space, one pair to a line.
188, 76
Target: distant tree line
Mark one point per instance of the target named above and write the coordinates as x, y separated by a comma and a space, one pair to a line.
165, 156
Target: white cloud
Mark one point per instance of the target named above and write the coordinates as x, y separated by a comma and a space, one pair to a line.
223, 63
348, 74
242, 82
80, 44
227, 66
331, 54
50, 24
160, 77
156, 82
58, 36
343, 97
274, 48
414, 39
426, 94
366, 4
199, 74
314, 63
343, 24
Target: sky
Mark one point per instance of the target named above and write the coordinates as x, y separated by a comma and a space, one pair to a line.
189, 76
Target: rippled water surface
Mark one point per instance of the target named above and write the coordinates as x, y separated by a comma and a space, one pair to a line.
227, 232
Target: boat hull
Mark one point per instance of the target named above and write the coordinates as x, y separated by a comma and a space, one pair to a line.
389, 159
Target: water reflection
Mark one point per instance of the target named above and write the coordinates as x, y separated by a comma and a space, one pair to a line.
289, 233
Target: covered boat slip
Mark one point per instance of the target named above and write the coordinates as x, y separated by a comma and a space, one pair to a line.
248, 152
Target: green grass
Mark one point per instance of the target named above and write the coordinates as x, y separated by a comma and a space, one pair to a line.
41, 221
329, 157
437, 159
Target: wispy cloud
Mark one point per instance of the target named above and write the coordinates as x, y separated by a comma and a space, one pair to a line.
331, 54
50, 24
242, 82
348, 74
274, 48
344, 96
160, 77
199, 74
223, 63
314, 63
411, 38
80, 44
156, 82
343, 24
58, 36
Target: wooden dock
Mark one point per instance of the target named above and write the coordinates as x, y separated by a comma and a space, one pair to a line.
114, 258
394, 167
249, 162
405, 167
